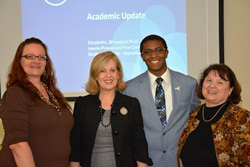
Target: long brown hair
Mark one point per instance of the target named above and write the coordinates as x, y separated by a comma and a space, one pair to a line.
17, 74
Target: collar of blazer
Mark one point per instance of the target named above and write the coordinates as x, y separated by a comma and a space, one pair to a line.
117, 98
173, 75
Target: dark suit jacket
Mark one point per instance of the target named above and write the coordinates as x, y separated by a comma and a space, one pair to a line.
130, 144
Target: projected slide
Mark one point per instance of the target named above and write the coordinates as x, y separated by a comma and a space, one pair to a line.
76, 30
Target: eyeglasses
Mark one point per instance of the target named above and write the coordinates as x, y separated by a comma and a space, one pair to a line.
157, 51
33, 57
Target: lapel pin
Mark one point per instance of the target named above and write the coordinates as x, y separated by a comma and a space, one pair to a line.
178, 88
123, 111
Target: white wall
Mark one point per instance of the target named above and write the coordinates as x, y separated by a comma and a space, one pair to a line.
10, 37
10, 34
237, 43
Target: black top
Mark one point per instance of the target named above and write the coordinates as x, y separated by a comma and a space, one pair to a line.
199, 149
129, 140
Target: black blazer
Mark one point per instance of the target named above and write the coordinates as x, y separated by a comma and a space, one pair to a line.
129, 140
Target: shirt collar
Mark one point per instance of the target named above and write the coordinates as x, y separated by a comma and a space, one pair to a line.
165, 76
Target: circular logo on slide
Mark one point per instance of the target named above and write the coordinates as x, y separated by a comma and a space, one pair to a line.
55, 4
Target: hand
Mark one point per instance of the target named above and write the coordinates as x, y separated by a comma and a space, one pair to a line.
141, 164
74, 164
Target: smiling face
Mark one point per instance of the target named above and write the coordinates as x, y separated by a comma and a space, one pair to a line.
33, 68
108, 77
156, 62
215, 89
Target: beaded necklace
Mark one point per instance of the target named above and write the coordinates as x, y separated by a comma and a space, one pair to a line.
54, 102
109, 123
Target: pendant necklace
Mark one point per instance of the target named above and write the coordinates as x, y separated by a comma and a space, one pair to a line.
54, 102
203, 117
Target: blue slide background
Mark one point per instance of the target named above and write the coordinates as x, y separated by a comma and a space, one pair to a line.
73, 39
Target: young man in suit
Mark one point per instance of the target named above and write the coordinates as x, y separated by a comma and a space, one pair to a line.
165, 104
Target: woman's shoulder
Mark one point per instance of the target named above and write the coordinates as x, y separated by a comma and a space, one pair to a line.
15, 86
86, 98
126, 97
81, 98
196, 111
16, 90
237, 109
240, 114
14, 98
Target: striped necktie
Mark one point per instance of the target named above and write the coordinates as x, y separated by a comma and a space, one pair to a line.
160, 101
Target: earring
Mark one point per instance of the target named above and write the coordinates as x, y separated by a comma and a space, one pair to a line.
44, 73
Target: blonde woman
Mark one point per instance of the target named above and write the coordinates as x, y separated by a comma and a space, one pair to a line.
108, 129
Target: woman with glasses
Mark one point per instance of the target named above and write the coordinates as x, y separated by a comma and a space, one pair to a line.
35, 115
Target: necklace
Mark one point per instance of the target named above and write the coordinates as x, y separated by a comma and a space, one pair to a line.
109, 123
203, 117
54, 102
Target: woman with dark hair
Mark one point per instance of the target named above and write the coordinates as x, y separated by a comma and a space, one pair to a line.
108, 129
217, 133
35, 115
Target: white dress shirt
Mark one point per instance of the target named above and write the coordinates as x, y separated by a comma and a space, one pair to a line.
166, 84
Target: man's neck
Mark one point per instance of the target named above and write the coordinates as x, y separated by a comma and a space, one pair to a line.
158, 74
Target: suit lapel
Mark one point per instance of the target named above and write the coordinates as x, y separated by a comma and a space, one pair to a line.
176, 96
146, 93
92, 116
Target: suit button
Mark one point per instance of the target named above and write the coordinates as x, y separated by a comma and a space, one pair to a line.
164, 151
113, 112
118, 154
116, 132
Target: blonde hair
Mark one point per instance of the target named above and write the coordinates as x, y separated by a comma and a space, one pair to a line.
98, 63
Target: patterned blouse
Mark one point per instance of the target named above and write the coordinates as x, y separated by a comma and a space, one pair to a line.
231, 136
